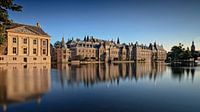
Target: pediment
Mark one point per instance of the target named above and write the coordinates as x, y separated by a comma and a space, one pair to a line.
22, 29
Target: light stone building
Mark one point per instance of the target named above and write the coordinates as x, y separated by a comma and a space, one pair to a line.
63, 54
84, 50
142, 53
111, 51
123, 53
108, 51
158, 52
101, 52
26, 44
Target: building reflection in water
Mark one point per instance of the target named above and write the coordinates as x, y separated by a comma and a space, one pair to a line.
181, 72
21, 83
90, 74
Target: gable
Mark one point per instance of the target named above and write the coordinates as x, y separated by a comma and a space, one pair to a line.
22, 29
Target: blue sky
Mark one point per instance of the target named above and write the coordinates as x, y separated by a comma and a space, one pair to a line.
167, 22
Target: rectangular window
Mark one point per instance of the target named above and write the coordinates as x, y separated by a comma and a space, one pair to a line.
44, 51
14, 58
25, 59
25, 40
34, 51
44, 42
44, 58
14, 50
1, 58
14, 40
64, 51
34, 41
25, 50
34, 58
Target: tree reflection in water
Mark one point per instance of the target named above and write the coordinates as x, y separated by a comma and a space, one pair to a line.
181, 72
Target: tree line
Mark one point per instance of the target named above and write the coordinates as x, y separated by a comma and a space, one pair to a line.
179, 53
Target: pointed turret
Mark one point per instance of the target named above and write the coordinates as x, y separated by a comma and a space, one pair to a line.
63, 45
118, 42
193, 47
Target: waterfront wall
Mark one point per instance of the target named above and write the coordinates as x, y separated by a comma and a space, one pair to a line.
5, 59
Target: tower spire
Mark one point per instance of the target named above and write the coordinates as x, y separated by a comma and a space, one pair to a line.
193, 46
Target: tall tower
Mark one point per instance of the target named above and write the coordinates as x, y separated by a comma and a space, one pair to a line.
192, 47
118, 42
63, 45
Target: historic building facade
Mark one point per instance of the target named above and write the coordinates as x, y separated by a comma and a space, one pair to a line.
84, 50
141, 53
158, 52
26, 44
63, 54
91, 49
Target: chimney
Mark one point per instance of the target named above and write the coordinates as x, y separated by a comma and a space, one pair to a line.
38, 24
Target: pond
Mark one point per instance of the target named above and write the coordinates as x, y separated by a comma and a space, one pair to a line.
123, 87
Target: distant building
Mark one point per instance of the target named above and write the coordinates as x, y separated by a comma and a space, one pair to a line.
84, 50
101, 52
158, 52
112, 52
123, 53
193, 47
26, 44
142, 53
53, 53
92, 49
63, 54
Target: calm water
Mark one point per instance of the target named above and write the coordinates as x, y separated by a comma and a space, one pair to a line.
99, 88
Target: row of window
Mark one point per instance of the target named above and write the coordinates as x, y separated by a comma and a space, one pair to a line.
87, 51
25, 41
14, 58
114, 52
25, 51
15, 50
1, 58
84, 45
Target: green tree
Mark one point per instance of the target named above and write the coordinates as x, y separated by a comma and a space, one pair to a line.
57, 44
5, 6
179, 53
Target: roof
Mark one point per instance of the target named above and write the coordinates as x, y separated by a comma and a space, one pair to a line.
37, 29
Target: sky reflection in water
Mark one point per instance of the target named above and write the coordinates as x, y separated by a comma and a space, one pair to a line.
99, 87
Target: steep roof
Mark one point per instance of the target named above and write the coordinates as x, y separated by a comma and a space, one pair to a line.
158, 47
36, 29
